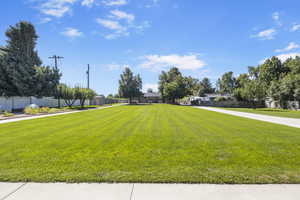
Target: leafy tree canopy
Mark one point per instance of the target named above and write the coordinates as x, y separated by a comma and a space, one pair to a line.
227, 83
205, 87
130, 86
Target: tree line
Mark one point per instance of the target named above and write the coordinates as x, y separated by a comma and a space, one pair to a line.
172, 85
274, 79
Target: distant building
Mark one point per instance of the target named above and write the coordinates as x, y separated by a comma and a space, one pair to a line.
98, 100
207, 99
152, 97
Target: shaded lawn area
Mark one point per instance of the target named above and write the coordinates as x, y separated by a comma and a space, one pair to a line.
269, 111
154, 143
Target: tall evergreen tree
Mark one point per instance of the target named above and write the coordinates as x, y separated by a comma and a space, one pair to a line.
21, 73
19, 61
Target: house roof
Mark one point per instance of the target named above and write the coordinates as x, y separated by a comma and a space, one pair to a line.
100, 96
152, 94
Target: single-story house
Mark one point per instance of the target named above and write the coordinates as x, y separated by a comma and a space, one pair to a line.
98, 100
207, 99
152, 97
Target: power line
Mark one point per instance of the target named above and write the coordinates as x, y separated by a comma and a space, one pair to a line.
56, 58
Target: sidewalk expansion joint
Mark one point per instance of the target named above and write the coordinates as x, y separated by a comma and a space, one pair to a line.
131, 194
14, 191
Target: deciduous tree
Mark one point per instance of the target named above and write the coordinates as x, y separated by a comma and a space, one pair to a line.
227, 83
205, 87
130, 86
83, 94
67, 94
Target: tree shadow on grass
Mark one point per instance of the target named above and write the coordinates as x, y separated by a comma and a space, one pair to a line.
140, 104
273, 110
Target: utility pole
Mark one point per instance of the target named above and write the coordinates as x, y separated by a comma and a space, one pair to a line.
88, 80
56, 58
88, 76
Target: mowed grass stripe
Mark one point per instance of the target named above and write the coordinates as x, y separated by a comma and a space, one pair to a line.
46, 129
154, 143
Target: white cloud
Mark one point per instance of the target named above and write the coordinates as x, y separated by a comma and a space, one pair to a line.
122, 15
267, 34
115, 26
295, 27
121, 29
291, 46
120, 23
114, 2
113, 67
72, 32
262, 61
87, 3
110, 24
115, 35
45, 20
275, 16
153, 86
152, 3
283, 57
141, 27
185, 62
56, 8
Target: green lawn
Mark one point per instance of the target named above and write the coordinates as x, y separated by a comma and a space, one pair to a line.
149, 143
269, 111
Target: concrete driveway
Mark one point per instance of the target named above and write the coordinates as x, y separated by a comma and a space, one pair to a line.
277, 120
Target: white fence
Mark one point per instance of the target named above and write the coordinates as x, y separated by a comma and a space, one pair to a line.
18, 103
293, 105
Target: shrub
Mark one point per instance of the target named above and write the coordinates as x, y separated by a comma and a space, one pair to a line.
34, 111
54, 110
44, 110
7, 114
220, 99
31, 111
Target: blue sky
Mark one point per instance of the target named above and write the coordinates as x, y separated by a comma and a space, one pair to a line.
202, 38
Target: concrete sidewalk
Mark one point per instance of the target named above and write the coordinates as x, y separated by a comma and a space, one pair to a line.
85, 191
277, 120
50, 115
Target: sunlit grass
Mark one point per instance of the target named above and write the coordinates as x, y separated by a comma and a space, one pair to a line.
149, 143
